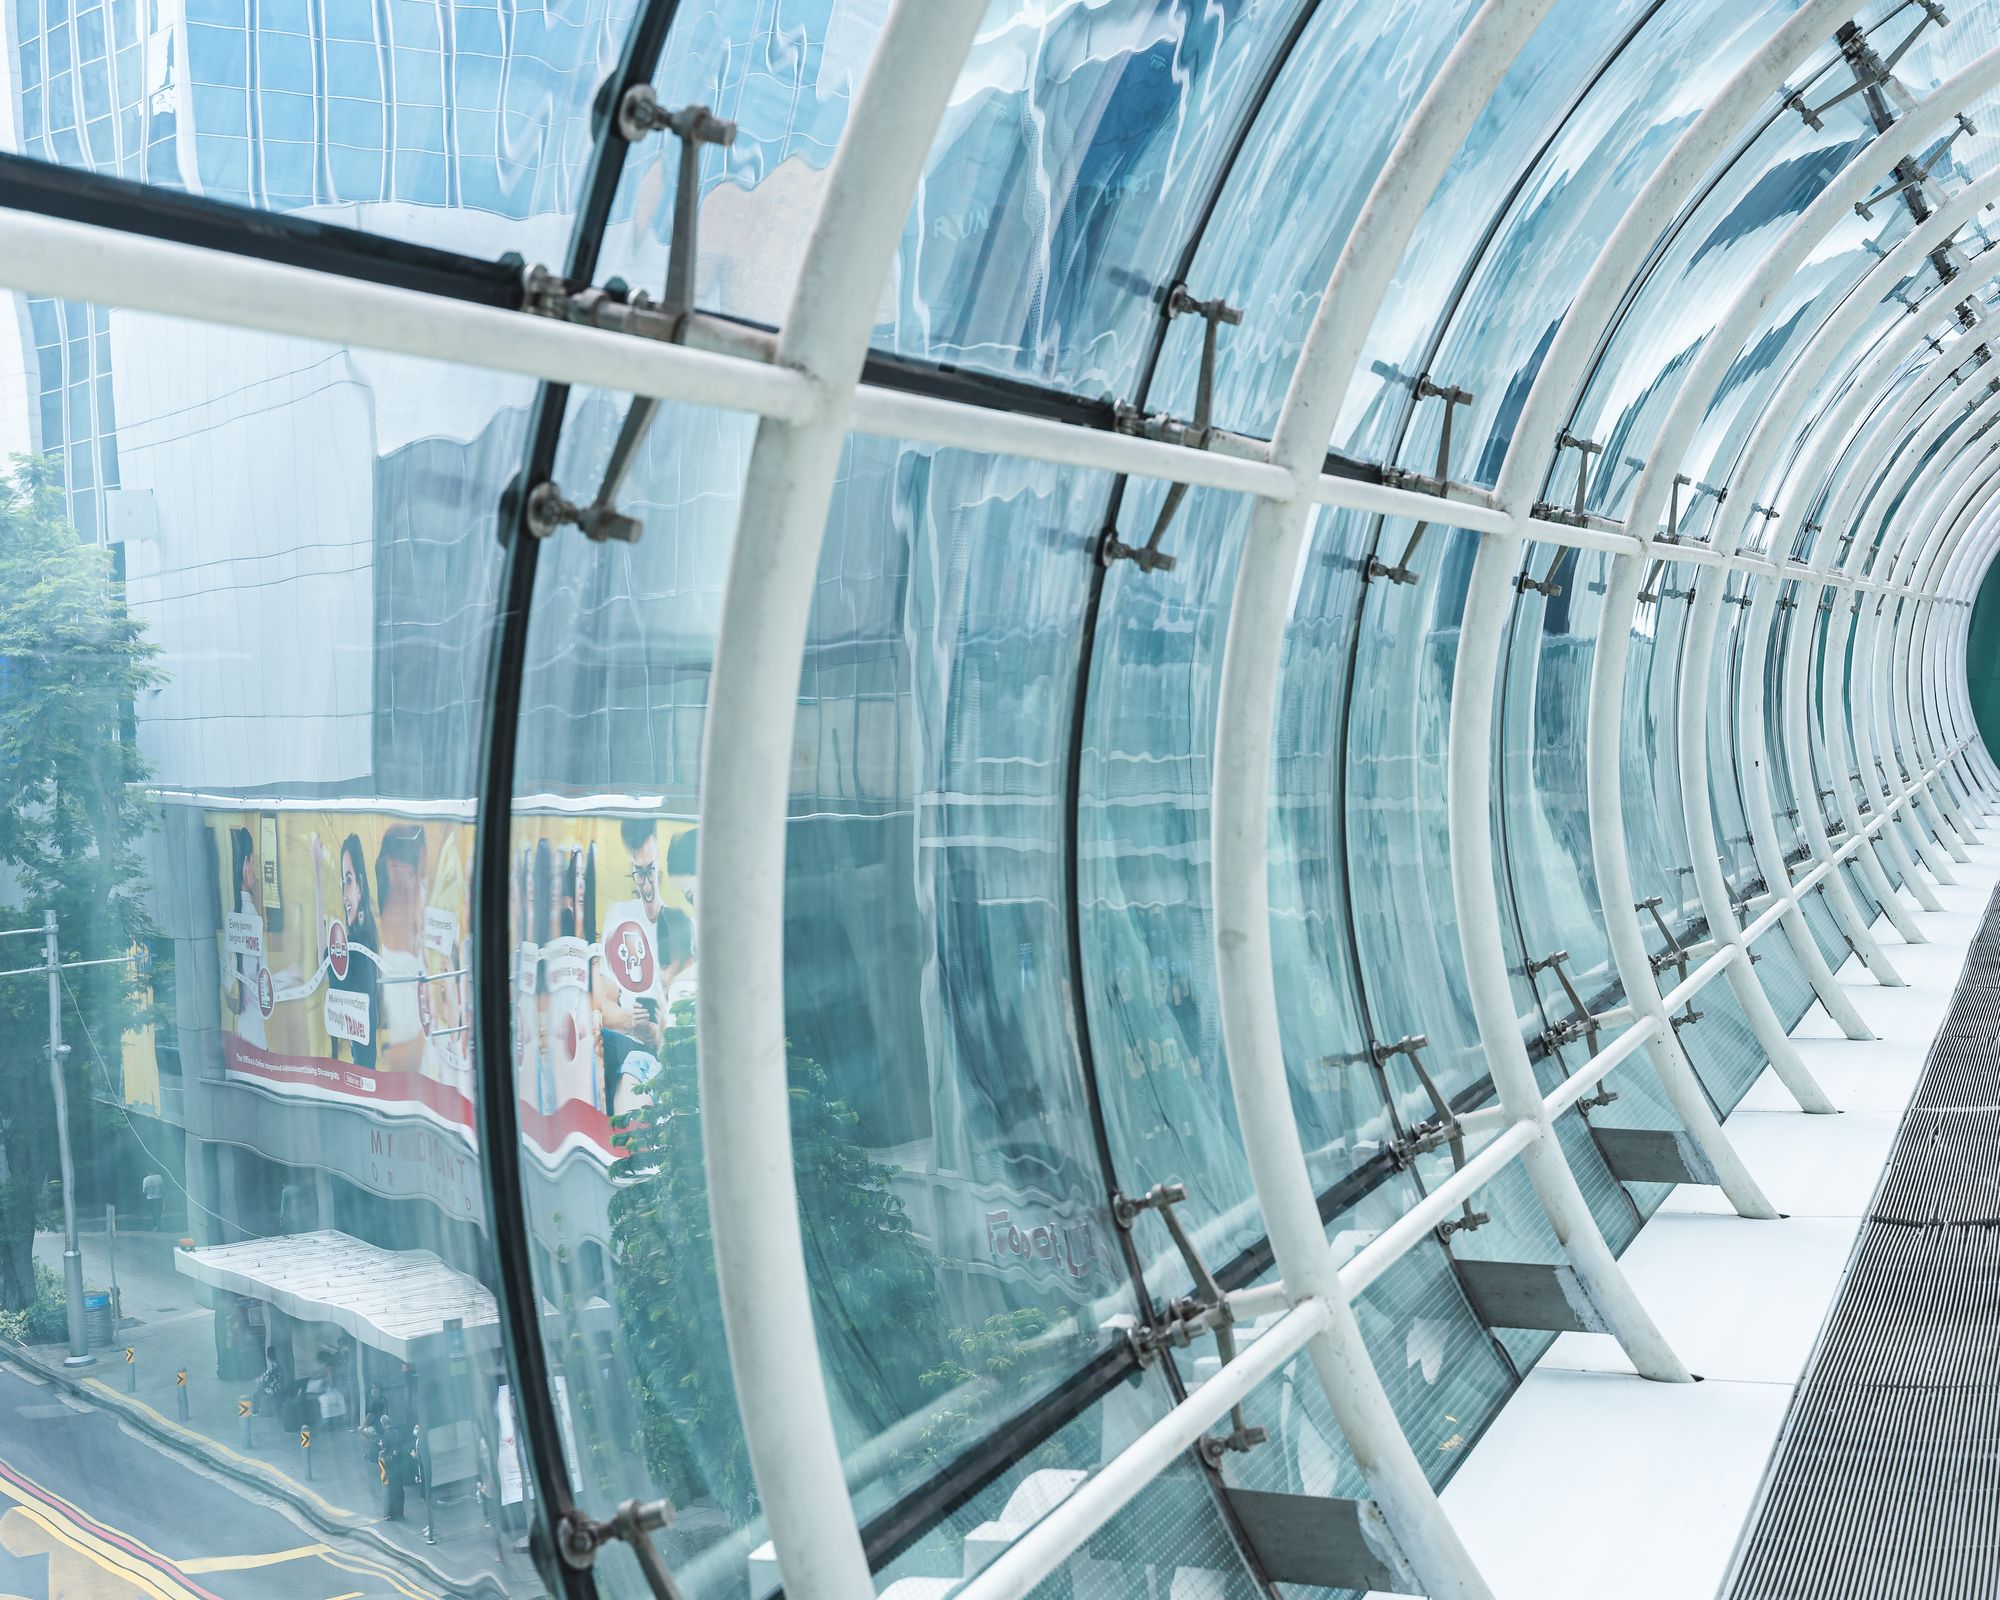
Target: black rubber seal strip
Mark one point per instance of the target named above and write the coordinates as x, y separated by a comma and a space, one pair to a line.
152, 212
493, 988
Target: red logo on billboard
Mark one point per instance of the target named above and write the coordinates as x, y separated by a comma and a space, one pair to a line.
630, 955
267, 996
424, 1005
336, 947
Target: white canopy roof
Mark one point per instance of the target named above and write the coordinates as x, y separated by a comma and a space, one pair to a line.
395, 1301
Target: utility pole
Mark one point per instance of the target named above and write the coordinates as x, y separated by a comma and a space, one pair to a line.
79, 1350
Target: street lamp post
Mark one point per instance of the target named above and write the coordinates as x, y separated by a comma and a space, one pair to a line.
79, 1349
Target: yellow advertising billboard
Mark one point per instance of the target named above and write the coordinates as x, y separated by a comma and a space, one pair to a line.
345, 961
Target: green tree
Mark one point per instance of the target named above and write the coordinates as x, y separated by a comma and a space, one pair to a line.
72, 662
875, 1295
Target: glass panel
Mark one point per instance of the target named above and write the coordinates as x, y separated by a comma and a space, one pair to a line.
1082, 148
243, 739
961, 1254
1523, 281
438, 123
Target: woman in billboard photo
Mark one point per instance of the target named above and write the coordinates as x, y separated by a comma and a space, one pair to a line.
351, 959
399, 884
243, 900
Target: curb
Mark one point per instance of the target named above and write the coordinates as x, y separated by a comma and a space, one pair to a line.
320, 1512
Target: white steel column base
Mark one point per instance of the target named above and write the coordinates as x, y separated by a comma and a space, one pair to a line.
1675, 1471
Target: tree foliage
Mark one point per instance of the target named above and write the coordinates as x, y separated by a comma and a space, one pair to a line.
72, 663
875, 1297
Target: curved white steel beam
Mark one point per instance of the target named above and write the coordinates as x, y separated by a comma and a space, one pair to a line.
1490, 591
1951, 585
1928, 648
1915, 608
1939, 652
1931, 506
1753, 465
1881, 470
1693, 398
1845, 455
746, 766
1851, 634
1694, 395
1246, 709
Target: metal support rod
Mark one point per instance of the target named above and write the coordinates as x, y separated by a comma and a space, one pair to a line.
1044, 1547
745, 781
1755, 463
1558, 378
1246, 706
79, 1347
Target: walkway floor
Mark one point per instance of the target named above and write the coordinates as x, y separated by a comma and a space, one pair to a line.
1595, 1482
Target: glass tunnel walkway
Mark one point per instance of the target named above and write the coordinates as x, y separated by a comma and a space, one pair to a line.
1091, 798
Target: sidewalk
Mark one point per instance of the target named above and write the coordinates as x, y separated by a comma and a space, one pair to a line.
335, 1484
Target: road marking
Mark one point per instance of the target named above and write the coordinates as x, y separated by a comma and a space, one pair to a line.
80, 1568
138, 1562
114, 1401
347, 1561
244, 1563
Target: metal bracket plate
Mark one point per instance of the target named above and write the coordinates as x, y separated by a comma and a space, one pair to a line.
1652, 1155
1528, 1294
1296, 1538
1334, 1544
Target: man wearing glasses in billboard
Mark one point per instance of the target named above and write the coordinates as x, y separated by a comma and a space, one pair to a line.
647, 951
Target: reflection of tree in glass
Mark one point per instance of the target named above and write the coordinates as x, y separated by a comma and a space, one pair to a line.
72, 662
875, 1295
994, 1370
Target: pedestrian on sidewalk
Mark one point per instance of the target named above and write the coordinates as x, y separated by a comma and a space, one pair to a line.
395, 1450
153, 1189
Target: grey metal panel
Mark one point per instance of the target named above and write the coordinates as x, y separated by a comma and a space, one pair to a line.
1652, 1155
1528, 1294
1336, 1544
1885, 1480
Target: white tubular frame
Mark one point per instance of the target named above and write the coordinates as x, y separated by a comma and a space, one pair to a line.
1489, 598
1754, 465
1931, 708
1719, 350
1865, 475
1921, 537
810, 399
1877, 470
1843, 635
1854, 476
1247, 698
1963, 550
746, 770
1932, 499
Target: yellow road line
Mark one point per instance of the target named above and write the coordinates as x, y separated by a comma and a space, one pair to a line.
346, 1561
349, 1562
106, 1558
244, 1563
292, 1485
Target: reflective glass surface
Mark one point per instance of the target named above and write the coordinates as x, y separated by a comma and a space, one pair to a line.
252, 624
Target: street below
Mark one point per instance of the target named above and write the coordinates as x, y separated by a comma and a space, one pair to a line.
89, 1510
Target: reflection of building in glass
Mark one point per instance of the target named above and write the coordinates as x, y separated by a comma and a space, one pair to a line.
435, 122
